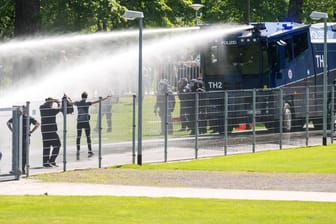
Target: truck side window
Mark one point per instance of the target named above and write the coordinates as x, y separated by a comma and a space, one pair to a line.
300, 44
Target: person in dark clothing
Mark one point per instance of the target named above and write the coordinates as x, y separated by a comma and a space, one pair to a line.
160, 106
83, 121
50, 137
196, 86
184, 96
32, 121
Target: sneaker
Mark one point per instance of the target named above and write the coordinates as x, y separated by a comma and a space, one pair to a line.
47, 165
90, 154
53, 164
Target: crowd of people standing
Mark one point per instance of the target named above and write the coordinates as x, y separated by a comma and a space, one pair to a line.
191, 116
51, 142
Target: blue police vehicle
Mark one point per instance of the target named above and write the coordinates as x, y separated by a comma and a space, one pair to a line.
268, 56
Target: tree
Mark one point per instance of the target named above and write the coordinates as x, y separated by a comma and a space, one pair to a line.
7, 12
237, 10
328, 6
295, 10
27, 17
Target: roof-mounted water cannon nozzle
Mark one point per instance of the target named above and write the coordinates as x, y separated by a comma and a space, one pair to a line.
257, 27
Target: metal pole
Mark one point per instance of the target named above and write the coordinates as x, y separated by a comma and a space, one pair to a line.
16, 142
196, 123
307, 116
99, 132
140, 96
332, 115
27, 138
226, 113
133, 131
325, 67
65, 104
254, 121
281, 107
165, 127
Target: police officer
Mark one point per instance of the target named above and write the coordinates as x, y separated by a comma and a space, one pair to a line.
184, 96
160, 105
196, 86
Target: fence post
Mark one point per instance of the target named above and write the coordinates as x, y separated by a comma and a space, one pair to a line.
196, 123
65, 105
226, 100
307, 116
332, 112
254, 120
99, 132
16, 142
166, 126
27, 138
281, 118
133, 131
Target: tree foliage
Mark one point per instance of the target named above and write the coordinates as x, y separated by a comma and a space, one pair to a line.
7, 12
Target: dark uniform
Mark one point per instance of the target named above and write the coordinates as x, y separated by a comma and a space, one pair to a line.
183, 90
196, 86
160, 105
49, 133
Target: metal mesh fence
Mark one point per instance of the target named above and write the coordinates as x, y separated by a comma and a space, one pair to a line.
5, 143
191, 125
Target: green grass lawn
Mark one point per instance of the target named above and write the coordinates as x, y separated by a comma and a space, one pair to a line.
108, 209
70, 210
317, 159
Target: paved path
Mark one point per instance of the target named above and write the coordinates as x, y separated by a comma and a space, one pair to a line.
35, 187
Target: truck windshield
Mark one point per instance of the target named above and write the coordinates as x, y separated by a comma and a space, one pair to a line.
223, 59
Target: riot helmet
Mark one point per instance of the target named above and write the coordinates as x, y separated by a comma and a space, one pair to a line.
182, 83
163, 86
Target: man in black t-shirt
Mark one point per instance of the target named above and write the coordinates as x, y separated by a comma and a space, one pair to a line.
49, 131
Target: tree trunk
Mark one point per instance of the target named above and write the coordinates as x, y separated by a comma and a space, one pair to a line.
27, 17
295, 10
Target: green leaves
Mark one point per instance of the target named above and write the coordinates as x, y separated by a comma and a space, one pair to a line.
62, 16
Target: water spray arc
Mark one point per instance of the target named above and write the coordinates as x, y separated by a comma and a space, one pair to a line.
88, 62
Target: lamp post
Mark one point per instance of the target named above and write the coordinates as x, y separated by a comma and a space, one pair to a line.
131, 15
317, 16
196, 7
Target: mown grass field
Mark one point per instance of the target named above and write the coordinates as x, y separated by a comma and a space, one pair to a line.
317, 159
121, 210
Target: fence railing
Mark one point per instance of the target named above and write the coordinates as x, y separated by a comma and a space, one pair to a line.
199, 124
